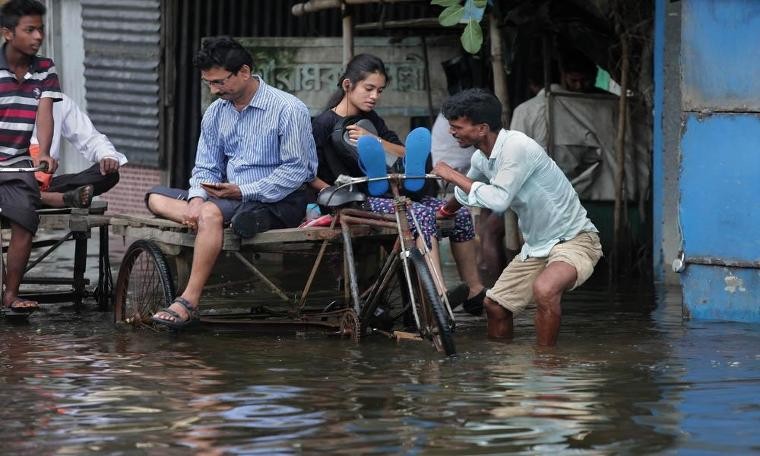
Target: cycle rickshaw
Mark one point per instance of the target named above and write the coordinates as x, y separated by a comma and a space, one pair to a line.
405, 287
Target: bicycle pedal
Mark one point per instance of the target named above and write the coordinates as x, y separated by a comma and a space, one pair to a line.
403, 335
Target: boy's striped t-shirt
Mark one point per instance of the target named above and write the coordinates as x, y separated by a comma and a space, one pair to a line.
18, 105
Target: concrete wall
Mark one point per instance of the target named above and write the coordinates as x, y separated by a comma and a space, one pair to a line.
671, 236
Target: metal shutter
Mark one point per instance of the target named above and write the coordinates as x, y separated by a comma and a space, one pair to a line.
122, 40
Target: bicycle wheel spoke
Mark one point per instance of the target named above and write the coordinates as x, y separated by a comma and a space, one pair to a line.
144, 284
433, 319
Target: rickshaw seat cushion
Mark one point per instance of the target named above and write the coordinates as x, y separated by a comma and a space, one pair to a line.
335, 197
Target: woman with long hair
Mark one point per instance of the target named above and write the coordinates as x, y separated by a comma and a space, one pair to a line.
359, 90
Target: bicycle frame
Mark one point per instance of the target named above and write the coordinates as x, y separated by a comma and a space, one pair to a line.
401, 248
7, 169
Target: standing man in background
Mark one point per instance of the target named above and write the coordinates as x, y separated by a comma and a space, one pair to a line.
577, 74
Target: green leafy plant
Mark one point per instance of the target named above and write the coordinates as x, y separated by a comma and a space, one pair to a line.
468, 12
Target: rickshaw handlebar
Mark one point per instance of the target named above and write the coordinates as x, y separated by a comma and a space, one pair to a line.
42, 167
346, 181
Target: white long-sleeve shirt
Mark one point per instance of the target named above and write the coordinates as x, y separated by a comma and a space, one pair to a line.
77, 128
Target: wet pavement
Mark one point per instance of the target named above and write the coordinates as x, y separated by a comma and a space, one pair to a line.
629, 376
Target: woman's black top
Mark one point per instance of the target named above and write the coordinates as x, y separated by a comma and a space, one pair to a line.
334, 162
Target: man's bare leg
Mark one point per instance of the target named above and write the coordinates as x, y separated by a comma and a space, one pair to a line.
56, 199
500, 320
547, 292
168, 208
208, 244
466, 258
19, 249
52, 199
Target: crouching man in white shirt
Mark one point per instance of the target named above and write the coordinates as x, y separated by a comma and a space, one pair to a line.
78, 189
510, 170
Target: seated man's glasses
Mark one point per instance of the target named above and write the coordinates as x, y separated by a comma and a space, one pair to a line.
217, 82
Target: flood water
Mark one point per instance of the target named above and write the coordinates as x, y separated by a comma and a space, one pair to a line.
629, 376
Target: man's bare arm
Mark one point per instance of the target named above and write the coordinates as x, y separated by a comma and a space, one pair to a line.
45, 132
449, 174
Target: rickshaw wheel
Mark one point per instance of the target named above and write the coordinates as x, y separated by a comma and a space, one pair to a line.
350, 326
144, 285
433, 316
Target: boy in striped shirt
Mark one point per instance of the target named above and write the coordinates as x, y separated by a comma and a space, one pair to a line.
28, 88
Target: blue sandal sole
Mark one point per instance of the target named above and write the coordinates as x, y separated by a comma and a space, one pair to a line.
372, 161
418, 145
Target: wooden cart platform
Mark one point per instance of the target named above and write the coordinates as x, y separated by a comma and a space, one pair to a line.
58, 226
163, 253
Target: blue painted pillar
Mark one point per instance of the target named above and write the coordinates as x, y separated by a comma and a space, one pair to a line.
720, 159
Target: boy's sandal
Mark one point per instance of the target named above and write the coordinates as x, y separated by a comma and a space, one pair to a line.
14, 310
193, 316
80, 197
418, 145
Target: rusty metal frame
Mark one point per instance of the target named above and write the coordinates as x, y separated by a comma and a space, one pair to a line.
297, 316
77, 225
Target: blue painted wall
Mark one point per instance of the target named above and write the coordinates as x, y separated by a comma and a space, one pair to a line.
720, 157
720, 54
720, 186
720, 293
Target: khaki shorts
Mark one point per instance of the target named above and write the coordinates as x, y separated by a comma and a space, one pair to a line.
514, 288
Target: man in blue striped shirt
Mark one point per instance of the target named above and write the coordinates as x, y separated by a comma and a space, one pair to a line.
254, 155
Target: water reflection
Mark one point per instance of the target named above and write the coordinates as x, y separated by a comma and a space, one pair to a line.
626, 378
